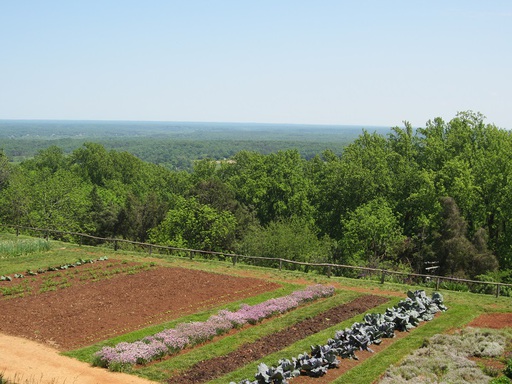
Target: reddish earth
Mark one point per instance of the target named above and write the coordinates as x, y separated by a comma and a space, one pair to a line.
91, 311
210, 369
492, 320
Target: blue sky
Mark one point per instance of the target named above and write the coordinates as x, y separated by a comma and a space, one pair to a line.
275, 61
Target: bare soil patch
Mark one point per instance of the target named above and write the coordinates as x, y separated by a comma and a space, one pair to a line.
92, 311
217, 367
492, 320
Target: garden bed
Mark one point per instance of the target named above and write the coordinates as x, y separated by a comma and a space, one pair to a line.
492, 320
213, 368
92, 311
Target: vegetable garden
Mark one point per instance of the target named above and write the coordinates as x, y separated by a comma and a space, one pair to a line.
172, 320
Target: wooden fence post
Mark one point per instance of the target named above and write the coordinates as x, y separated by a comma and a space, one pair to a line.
329, 272
382, 277
437, 283
280, 264
191, 255
498, 290
233, 259
150, 249
115, 245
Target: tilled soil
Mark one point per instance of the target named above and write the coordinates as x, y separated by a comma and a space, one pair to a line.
210, 369
91, 311
492, 320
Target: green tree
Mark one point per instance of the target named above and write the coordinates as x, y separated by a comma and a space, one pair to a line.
59, 201
194, 225
457, 255
16, 197
361, 174
219, 195
371, 235
291, 239
93, 163
50, 159
275, 186
5, 170
103, 212
139, 215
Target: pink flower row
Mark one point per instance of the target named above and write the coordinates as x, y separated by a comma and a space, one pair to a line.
171, 341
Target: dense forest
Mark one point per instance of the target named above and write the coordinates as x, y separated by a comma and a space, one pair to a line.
175, 145
439, 194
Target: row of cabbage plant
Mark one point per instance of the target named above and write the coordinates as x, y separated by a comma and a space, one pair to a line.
170, 341
406, 315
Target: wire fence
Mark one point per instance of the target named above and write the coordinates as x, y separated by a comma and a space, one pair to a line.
328, 269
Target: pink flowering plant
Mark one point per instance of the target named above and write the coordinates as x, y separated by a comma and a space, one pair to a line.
170, 341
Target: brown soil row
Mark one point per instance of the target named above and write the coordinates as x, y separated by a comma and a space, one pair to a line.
60, 279
96, 310
210, 369
492, 320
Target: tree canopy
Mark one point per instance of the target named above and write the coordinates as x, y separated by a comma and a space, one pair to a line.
440, 193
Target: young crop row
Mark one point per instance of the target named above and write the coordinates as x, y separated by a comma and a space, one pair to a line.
52, 269
171, 341
406, 315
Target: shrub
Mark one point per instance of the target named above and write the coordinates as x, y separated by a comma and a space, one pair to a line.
444, 358
508, 369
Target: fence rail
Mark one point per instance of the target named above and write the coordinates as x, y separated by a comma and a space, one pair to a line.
327, 267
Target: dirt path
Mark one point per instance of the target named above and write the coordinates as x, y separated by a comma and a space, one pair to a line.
29, 362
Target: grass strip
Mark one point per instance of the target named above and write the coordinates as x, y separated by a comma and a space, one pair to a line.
179, 364
86, 354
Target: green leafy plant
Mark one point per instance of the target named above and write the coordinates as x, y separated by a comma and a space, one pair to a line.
500, 380
508, 369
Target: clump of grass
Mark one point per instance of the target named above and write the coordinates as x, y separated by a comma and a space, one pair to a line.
500, 380
20, 379
445, 358
23, 247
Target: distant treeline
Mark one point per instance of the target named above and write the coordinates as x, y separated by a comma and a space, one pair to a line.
175, 145
440, 195
178, 155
